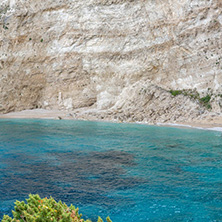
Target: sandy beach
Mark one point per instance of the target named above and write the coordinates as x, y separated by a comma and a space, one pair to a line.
37, 114
209, 122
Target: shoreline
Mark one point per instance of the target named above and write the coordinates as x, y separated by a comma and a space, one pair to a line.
210, 127
213, 124
37, 114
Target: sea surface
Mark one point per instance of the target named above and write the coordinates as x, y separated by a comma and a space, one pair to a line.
127, 171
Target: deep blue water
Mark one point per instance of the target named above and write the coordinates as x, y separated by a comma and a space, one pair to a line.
127, 171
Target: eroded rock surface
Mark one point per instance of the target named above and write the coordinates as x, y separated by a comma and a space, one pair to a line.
111, 59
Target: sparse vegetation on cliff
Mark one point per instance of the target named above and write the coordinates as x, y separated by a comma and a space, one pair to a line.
45, 210
176, 92
193, 94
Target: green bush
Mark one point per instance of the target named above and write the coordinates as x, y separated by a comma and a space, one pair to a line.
176, 92
45, 210
205, 99
193, 94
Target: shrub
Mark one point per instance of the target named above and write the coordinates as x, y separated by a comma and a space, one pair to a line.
45, 210
205, 99
176, 92
193, 94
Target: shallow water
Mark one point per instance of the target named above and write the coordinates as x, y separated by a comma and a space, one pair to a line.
127, 171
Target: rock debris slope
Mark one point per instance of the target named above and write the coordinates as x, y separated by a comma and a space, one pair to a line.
112, 59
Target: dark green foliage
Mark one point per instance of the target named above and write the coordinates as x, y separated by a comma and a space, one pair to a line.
193, 94
205, 99
5, 27
208, 106
45, 210
41, 40
176, 92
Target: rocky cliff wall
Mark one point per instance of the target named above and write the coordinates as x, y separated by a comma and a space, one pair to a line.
111, 58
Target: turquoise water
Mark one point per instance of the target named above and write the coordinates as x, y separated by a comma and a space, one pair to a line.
129, 172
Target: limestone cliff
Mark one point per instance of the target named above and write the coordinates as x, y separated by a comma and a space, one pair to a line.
111, 59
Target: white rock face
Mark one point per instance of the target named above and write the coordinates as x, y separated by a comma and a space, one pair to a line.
102, 54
